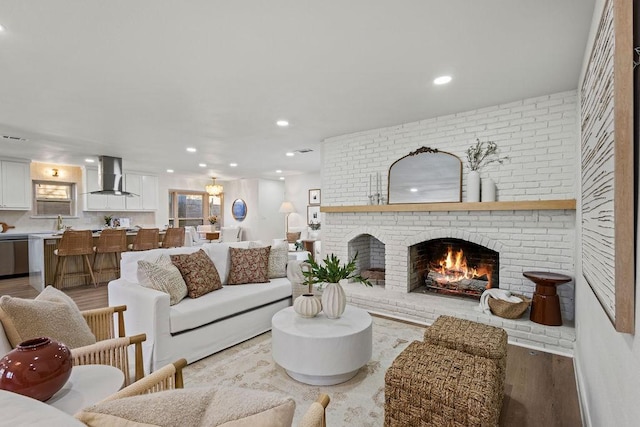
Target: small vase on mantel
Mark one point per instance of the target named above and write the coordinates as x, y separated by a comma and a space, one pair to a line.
488, 190
473, 186
334, 300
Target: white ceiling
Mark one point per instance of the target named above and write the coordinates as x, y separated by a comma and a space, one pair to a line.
144, 79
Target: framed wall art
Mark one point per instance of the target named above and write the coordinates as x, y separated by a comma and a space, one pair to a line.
607, 166
314, 196
313, 214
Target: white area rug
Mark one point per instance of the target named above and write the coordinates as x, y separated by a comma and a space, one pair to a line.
357, 402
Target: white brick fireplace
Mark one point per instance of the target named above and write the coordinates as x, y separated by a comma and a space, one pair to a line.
540, 137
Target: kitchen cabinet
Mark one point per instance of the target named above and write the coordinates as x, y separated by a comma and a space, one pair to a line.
100, 202
145, 188
15, 185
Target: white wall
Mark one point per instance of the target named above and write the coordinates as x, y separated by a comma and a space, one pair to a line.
296, 191
263, 199
607, 362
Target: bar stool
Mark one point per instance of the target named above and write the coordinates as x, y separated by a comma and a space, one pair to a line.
146, 238
173, 238
110, 242
73, 243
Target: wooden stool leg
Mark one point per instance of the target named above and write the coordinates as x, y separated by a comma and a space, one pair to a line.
62, 271
55, 275
93, 278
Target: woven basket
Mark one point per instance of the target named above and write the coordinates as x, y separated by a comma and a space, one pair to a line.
509, 310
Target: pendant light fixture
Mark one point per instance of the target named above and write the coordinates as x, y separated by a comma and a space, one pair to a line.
214, 189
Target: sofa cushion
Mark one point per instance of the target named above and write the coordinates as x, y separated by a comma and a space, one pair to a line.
278, 257
129, 260
219, 253
193, 313
51, 314
198, 272
198, 406
249, 265
165, 277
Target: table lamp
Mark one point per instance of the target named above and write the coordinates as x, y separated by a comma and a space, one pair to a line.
286, 207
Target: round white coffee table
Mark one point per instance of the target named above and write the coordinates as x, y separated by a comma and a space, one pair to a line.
321, 351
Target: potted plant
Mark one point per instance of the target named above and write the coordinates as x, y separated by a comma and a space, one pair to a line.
479, 155
330, 272
307, 304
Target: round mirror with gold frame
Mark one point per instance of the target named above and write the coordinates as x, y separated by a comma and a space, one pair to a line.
239, 210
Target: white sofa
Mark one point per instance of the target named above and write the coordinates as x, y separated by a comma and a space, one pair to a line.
195, 328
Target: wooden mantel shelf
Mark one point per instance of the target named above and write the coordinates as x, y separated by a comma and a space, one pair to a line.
529, 205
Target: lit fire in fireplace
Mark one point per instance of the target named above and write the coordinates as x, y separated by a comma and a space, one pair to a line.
452, 273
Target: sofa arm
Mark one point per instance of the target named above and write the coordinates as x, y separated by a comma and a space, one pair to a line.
147, 313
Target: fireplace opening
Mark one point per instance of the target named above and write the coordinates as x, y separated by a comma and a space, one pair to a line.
453, 267
371, 258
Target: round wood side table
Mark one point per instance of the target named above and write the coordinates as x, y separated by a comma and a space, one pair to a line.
545, 306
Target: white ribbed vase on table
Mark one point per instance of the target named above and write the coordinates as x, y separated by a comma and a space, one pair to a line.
334, 300
307, 305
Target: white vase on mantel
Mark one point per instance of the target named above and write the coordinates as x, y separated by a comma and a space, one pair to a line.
334, 300
473, 186
488, 190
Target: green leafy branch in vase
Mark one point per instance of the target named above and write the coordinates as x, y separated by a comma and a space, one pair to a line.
480, 155
330, 271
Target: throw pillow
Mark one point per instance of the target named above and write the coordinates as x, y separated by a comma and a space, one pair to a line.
51, 314
293, 237
278, 258
198, 272
165, 277
197, 406
249, 265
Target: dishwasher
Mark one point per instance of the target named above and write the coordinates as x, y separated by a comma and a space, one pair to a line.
14, 256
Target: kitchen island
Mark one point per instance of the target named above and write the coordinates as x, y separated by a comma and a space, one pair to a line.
42, 262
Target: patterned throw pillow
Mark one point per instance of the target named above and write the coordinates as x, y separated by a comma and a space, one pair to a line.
278, 258
198, 273
165, 277
249, 265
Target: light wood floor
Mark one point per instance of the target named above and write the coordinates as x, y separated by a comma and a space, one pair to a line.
540, 387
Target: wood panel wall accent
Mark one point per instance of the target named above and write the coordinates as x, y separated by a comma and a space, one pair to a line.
608, 229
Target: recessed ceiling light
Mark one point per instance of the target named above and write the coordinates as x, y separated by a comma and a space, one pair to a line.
442, 80
169, 170
233, 165
89, 160
289, 154
191, 150
1, 28
413, 190
279, 171
202, 165
282, 178
282, 123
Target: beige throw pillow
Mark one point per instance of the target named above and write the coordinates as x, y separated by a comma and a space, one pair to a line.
198, 272
51, 314
194, 407
165, 277
278, 258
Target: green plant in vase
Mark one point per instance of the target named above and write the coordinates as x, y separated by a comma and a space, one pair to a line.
329, 273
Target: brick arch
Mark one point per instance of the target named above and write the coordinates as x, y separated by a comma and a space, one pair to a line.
441, 233
372, 231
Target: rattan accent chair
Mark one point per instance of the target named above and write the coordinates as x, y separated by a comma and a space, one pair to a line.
111, 241
73, 243
146, 239
110, 349
173, 238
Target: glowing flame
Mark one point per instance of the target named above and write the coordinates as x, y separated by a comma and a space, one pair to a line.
453, 267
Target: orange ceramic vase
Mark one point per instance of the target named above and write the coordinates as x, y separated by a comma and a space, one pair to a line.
36, 368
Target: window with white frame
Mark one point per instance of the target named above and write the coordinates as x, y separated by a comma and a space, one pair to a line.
54, 198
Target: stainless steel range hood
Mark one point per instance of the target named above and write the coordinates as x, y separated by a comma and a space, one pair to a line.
110, 177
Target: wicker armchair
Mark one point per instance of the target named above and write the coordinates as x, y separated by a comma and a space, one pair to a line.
109, 349
170, 377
